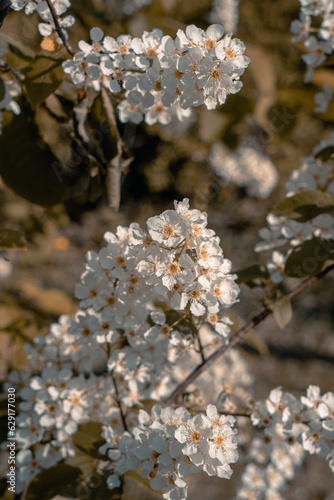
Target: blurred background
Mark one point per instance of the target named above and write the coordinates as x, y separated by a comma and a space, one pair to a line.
268, 127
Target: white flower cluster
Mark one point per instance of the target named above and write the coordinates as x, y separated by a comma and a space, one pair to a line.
11, 89
53, 403
291, 427
177, 262
314, 174
159, 75
47, 26
248, 167
170, 444
318, 42
120, 347
226, 12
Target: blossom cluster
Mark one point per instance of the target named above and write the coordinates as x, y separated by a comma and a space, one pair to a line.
47, 27
248, 167
53, 403
314, 174
170, 444
121, 347
159, 75
291, 426
318, 42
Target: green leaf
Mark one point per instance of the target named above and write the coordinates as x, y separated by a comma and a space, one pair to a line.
43, 77
28, 165
145, 404
52, 482
309, 258
2, 89
307, 205
17, 53
9, 238
88, 439
282, 311
253, 276
86, 463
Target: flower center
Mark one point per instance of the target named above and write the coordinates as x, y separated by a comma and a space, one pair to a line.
151, 52
173, 268
219, 441
195, 294
123, 49
204, 254
215, 74
229, 53
168, 231
213, 319
210, 44
75, 400
195, 436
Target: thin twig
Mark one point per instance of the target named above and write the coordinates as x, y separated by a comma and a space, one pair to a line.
118, 399
8, 69
116, 164
59, 30
201, 350
241, 334
178, 320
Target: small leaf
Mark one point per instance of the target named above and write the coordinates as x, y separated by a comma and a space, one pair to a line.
9, 238
145, 404
43, 77
88, 439
30, 170
253, 276
282, 311
2, 90
52, 482
86, 463
307, 204
309, 258
17, 53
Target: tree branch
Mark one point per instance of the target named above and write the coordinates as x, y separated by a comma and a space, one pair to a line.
241, 334
59, 30
8, 69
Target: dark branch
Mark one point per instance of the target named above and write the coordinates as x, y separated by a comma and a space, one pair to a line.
8, 69
58, 28
241, 334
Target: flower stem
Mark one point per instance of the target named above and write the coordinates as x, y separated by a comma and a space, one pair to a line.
58, 28
240, 335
